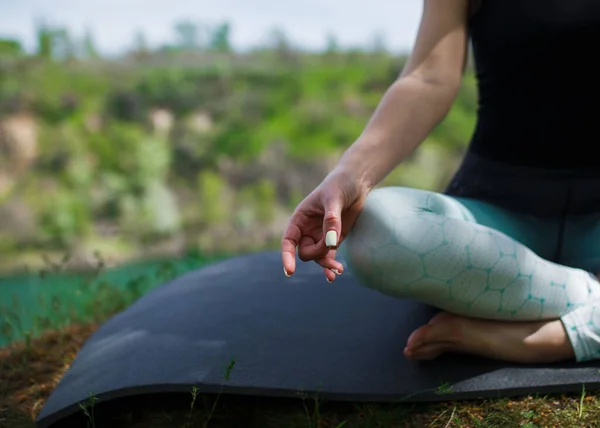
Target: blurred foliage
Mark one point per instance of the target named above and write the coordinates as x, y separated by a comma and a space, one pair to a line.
191, 134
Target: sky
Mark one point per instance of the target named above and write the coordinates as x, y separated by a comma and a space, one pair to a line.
306, 23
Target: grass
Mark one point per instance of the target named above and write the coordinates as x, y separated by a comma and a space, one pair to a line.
31, 369
99, 300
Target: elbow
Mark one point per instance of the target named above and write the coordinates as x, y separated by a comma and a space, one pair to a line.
443, 83
441, 88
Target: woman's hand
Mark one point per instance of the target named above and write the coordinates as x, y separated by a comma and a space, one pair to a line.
321, 222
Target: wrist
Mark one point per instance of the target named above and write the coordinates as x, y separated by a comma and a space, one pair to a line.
358, 172
364, 162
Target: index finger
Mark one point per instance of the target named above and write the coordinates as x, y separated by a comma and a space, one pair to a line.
289, 242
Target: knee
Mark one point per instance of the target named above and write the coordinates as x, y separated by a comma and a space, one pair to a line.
387, 209
389, 229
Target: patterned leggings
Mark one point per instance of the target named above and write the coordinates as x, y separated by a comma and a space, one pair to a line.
475, 259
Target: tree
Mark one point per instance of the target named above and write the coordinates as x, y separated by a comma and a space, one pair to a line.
331, 44
89, 46
140, 44
9, 47
220, 38
188, 35
64, 48
44, 40
378, 43
278, 40
55, 43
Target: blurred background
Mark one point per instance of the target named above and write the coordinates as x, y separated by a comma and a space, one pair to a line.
139, 140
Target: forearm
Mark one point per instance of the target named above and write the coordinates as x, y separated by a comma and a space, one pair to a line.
407, 113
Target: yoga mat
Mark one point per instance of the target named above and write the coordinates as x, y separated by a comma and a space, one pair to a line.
284, 336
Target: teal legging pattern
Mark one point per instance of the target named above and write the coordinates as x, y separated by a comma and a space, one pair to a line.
475, 259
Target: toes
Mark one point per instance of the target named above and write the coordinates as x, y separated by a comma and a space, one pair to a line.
419, 337
433, 339
429, 334
427, 352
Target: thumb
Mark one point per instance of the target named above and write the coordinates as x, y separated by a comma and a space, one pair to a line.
332, 221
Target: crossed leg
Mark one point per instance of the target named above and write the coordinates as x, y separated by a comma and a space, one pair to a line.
483, 266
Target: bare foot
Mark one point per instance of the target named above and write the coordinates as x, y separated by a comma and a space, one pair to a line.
521, 342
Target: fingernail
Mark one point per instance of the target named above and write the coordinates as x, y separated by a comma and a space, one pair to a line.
286, 273
328, 280
337, 272
331, 238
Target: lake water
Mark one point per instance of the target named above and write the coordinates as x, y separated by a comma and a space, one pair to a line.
32, 302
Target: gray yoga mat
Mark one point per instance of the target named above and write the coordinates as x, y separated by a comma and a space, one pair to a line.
286, 336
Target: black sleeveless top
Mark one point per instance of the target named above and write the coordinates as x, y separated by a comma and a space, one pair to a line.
538, 70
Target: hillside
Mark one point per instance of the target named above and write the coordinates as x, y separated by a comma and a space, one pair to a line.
156, 153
